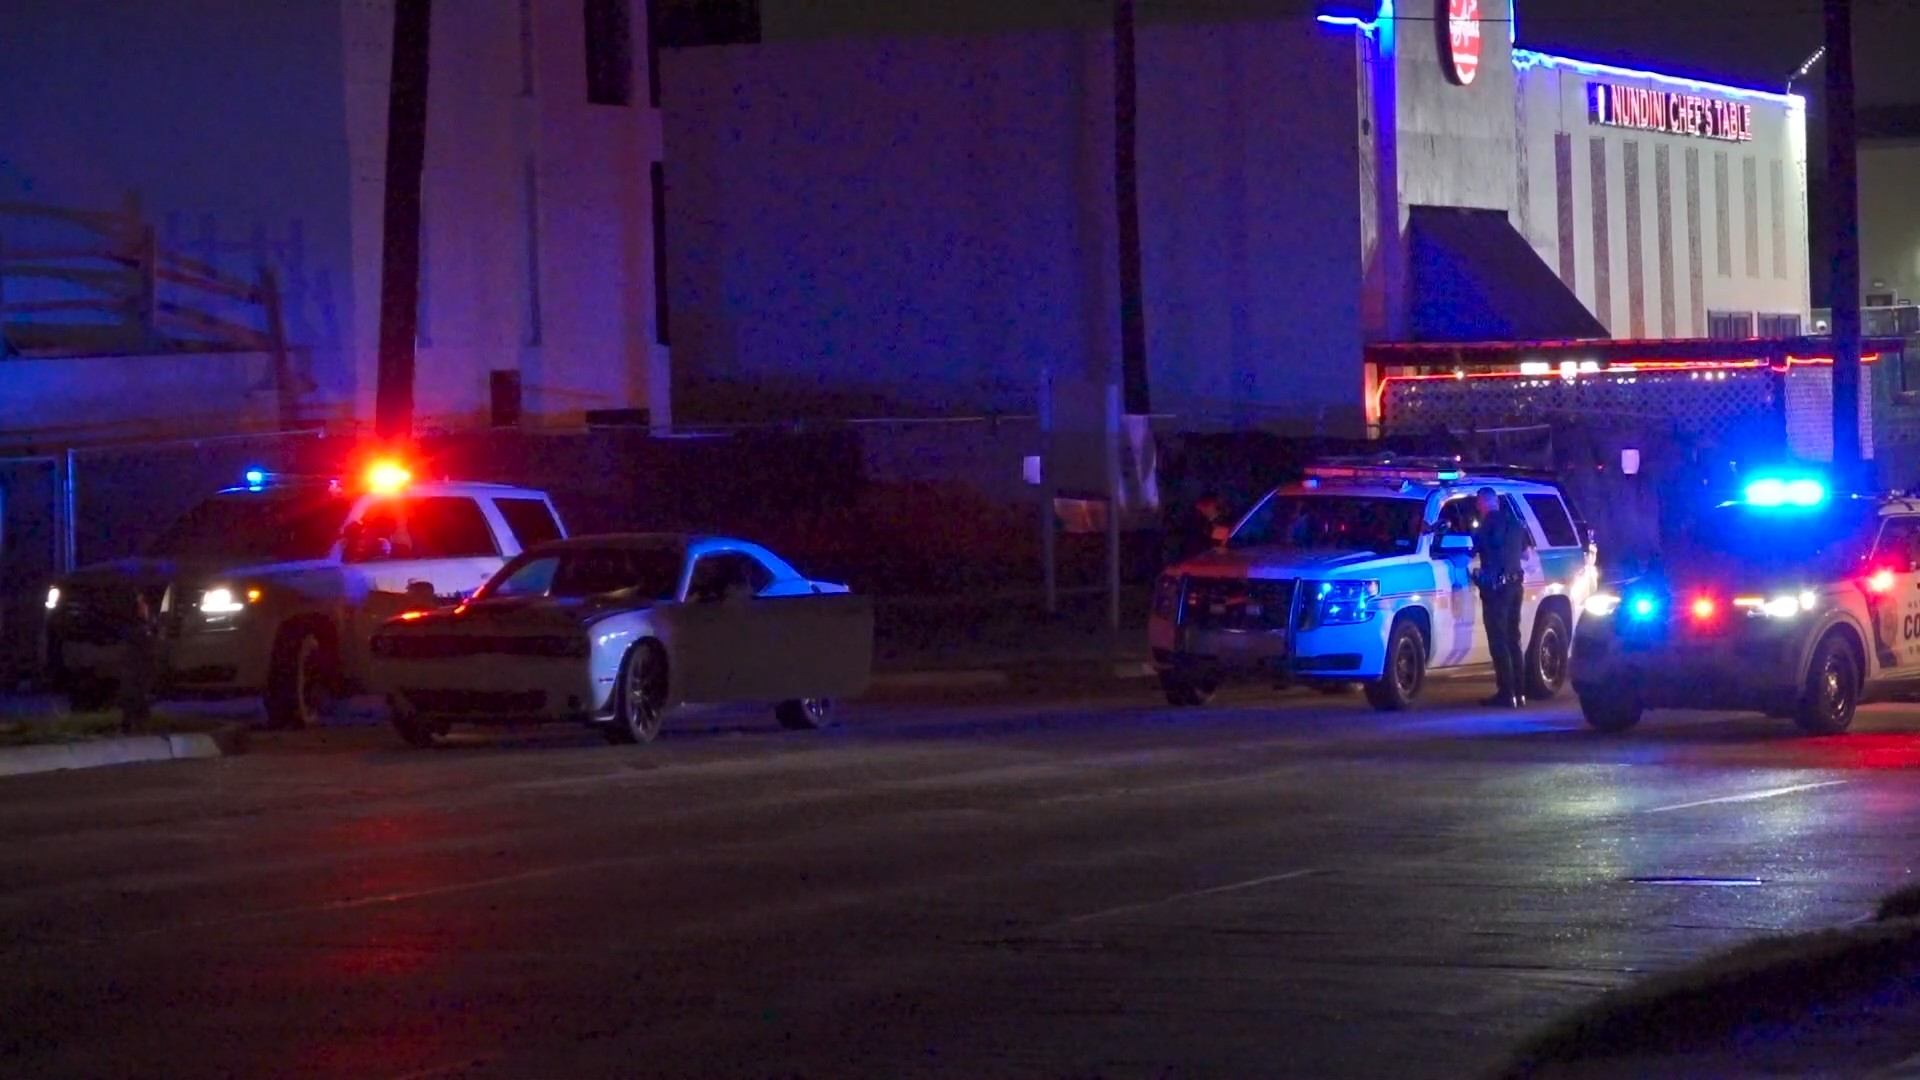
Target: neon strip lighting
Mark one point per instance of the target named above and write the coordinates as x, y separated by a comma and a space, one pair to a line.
1631, 368
1527, 58
1383, 17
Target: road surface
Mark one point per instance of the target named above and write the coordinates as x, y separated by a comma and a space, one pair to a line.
1276, 886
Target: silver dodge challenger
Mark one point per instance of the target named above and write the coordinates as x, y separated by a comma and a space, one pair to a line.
621, 631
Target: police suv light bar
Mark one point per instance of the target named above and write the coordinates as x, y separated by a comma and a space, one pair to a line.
1382, 472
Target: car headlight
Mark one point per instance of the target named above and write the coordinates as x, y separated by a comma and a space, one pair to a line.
1780, 606
53, 597
227, 601
1342, 603
1601, 604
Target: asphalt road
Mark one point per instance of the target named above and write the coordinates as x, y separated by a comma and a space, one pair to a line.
1271, 887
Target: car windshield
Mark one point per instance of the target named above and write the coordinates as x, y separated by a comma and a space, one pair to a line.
1374, 523
277, 526
641, 573
1826, 541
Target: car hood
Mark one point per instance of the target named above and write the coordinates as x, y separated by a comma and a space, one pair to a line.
1275, 562
519, 613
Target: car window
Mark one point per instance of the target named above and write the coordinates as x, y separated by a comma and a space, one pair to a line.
714, 574
381, 533
449, 527
1460, 515
531, 520
1554, 520
1899, 546
531, 578
1338, 522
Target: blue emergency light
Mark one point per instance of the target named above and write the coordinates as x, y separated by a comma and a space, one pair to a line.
1774, 492
256, 477
1643, 607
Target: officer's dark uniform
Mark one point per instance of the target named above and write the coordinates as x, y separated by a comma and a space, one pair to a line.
1501, 541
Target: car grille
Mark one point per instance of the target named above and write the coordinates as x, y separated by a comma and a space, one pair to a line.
461, 646
100, 614
477, 702
1237, 604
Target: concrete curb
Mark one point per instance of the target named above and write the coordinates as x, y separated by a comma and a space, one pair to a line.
129, 750
1077, 673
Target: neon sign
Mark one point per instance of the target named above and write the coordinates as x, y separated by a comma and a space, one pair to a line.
1669, 112
1463, 39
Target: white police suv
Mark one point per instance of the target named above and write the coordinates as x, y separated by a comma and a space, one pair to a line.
1790, 600
1360, 574
274, 588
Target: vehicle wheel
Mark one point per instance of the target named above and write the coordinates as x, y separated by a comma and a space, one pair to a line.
1832, 690
1406, 669
1610, 713
1186, 691
640, 708
1547, 656
806, 714
92, 695
303, 679
415, 731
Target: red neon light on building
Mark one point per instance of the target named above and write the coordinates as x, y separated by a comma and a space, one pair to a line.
1629, 368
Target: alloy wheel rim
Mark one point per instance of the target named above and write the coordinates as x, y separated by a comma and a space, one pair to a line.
1552, 663
1403, 665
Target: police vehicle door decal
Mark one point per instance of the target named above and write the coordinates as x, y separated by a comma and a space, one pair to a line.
1897, 613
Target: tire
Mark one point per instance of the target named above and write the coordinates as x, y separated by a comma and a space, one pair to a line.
639, 710
92, 695
805, 714
1406, 669
1547, 656
1610, 713
1831, 692
303, 679
1187, 692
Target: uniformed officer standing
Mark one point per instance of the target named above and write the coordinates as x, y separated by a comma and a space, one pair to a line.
1501, 540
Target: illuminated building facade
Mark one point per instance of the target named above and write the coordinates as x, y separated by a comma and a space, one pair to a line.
927, 221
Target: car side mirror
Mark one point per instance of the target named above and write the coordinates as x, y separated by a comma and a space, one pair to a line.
1452, 544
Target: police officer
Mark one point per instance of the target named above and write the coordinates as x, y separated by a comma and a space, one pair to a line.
1501, 540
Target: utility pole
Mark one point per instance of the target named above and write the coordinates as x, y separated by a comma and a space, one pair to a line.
400, 238
1843, 189
1126, 198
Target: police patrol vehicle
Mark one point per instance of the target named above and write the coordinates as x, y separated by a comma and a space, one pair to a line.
1360, 573
275, 587
1791, 600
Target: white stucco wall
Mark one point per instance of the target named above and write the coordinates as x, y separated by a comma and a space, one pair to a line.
1765, 269
254, 134
537, 215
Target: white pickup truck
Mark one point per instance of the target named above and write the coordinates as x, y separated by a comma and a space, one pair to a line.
273, 589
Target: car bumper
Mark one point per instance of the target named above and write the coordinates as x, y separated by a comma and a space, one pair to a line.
195, 666
1354, 651
1755, 668
498, 690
